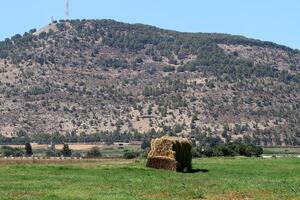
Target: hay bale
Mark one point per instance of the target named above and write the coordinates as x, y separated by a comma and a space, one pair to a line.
171, 153
162, 163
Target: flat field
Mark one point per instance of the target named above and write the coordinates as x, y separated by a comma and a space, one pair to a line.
106, 150
213, 178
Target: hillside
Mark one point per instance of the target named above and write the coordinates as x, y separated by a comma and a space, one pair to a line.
106, 80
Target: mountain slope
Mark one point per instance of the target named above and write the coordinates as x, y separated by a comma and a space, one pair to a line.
89, 76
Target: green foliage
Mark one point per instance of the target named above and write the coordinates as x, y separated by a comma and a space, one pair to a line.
145, 152
202, 151
248, 150
223, 150
10, 151
66, 151
38, 90
114, 62
168, 68
28, 149
131, 154
77, 155
178, 128
94, 152
53, 153
228, 149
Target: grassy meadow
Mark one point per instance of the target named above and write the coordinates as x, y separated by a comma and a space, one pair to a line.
213, 178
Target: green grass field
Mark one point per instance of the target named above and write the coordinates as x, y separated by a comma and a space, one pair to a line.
226, 178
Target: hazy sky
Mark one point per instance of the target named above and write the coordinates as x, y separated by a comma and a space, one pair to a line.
272, 20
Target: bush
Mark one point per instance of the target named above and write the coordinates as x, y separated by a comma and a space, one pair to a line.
246, 149
197, 152
169, 69
28, 149
66, 151
94, 153
53, 153
223, 150
229, 149
145, 152
76, 155
202, 152
10, 151
131, 154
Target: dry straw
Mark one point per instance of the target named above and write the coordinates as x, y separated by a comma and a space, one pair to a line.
172, 153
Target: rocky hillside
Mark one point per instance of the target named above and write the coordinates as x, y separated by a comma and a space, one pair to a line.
101, 76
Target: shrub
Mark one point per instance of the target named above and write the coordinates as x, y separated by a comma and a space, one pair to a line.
223, 150
28, 149
66, 151
10, 151
229, 149
202, 152
53, 153
131, 154
76, 155
168, 68
145, 153
246, 149
94, 153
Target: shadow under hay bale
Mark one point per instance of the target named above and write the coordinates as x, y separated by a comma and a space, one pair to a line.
170, 153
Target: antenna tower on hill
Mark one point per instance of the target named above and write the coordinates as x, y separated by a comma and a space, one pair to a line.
67, 9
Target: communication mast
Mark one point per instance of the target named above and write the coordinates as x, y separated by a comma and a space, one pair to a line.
67, 10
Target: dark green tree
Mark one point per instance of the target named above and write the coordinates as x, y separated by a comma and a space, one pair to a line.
66, 151
28, 149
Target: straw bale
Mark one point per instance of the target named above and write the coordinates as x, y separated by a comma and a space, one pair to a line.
162, 163
166, 151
